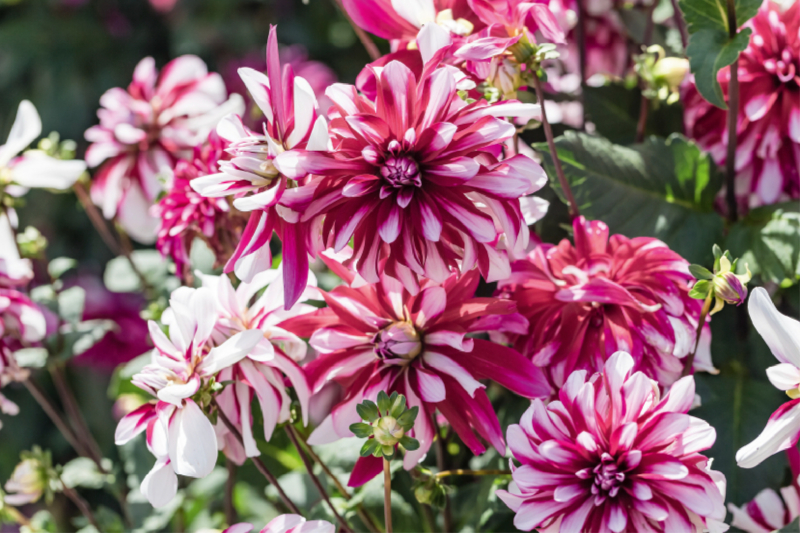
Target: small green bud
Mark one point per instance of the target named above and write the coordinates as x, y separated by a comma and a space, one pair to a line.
388, 432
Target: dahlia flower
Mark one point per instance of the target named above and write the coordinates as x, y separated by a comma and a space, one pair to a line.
291, 123
612, 455
178, 432
261, 373
399, 21
587, 301
145, 129
184, 214
768, 130
769, 511
782, 335
414, 178
380, 337
286, 523
18, 173
14, 271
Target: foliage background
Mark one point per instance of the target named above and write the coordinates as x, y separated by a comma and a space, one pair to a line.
63, 54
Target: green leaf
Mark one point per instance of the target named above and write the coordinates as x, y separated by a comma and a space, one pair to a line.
398, 406
663, 188
713, 14
368, 411
31, 357
369, 448
384, 403
406, 420
58, 266
70, 304
409, 443
700, 290
361, 430
120, 277
83, 472
81, 336
700, 272
709, 51
769, 243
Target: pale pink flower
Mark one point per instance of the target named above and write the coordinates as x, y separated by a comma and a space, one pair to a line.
14, 271
277, 354
602, 295
26, 484
782, 335
145, 129
414, 178
184, 214
769, 511
381, 337
768, 131
32, 169
251, 177
178, 432
611, 455
286, 523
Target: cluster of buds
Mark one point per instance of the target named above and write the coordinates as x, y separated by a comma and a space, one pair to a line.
385, 425
723, 284
662, 76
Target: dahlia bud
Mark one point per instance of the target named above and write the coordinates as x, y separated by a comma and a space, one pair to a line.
30, 479
671, 70
388, 432
723, 284
385, 425
506, 77
662, 76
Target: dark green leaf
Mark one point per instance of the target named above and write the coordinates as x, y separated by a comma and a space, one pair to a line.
771, 247
361, 430
708, 52
384, 403
369, 448
398, 406
368, 411
663, 188
700, 272
713, 14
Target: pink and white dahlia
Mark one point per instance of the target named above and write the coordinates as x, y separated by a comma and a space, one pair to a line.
251, 177
380, 337
286, 523
261, 374
145, 129
184, 214
769, 511
415, 179
782, 335
178, 432
768, 130
21, 170
399, 21
612, 455
603, 295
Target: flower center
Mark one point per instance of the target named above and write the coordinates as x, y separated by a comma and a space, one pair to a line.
401, 171
398, 341
608, 479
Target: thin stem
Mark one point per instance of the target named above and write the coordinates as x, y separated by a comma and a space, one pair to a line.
440, 465
644, 107
260, 466
16, 515
733, 112
56, 417
74, 414
687, 368
680, 22
96, 218
368, 43
548, 132
387, 495
81, 504
463, 472
317, 483
365, 515
230, 484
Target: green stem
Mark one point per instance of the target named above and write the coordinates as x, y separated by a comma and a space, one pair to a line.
387, 495
687, 368
733, 112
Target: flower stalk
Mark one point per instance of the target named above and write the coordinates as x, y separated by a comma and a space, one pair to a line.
687, 367
732, 118
551, 145
387, 495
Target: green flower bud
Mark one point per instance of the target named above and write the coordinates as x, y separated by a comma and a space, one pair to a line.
388, 432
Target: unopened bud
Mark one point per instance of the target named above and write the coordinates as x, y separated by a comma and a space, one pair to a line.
730, 288
671, 71
27, 483
388, 432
